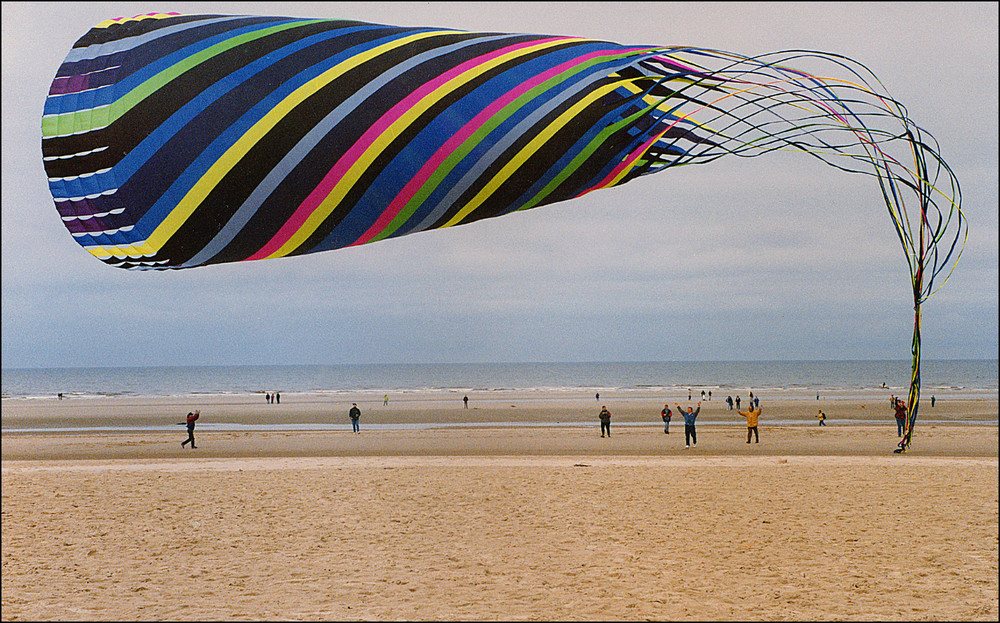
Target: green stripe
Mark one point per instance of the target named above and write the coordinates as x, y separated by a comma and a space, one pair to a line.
574, 164
477, 137
86, 120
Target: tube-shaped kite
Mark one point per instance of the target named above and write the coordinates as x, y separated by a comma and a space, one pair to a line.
173, 141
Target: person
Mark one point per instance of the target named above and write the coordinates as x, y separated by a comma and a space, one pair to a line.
710, 395
932, 400
385, 400
737, 402
689, 393
690, 434
900, 417
60, 395
822, 418
191, 417
702, 394
597, 396
466, 401
729, 401
665, 414
355, 414
277, 398
751, 417
605, 417
756, 401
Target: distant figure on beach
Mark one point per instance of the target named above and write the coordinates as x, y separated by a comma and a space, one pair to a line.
605, 417
756, 401
466, 401
267, 397
709, 394
729, 402
690, 434
702, 394
932, 400
277, 397
900, 417
385, 400
822, 418
737, 402
355, 415
597, 396
665, 414
689, 393
191, 417
61, 396
751, 417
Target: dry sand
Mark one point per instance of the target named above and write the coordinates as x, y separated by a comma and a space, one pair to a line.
504, 522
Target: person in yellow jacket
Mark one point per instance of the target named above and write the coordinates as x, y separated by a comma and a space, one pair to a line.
751, 417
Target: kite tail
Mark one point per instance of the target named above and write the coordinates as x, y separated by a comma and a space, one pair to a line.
913, 399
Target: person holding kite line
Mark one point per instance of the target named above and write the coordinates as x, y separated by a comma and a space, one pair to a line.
900, 416
751, 417
191, 417
690, 434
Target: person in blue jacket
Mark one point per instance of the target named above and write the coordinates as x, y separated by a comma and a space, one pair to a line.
690, 434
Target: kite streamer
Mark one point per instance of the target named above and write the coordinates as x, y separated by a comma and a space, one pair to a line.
174, 141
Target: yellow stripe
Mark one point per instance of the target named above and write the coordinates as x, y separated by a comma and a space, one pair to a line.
529, 149
187, 205
351, 177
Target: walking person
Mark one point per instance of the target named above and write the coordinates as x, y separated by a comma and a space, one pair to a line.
822, 418
465, 399
191, 417
690, 434
355, 415
751, 417
665, 414
605, 417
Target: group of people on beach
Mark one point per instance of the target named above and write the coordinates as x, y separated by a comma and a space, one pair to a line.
690, 418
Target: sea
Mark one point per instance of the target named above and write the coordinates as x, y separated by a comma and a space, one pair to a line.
846, 379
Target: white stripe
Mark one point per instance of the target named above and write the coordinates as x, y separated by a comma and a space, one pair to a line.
76, 177
95, 196
84, 217
106, 232
82, 153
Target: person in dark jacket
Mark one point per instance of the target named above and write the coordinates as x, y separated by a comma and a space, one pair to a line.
355, 414
690, 434
605, 417
191, 417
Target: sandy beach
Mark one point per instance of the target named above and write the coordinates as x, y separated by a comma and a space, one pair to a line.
505, 519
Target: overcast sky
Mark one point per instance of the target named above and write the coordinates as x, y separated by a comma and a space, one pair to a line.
777, 257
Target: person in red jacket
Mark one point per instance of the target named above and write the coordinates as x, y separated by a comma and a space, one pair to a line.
665, 414
900, 417
191, 417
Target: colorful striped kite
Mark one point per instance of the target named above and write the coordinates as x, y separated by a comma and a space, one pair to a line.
173, 141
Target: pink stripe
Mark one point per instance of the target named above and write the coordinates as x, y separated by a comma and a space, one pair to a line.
330, 180
635, 155
459, 137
